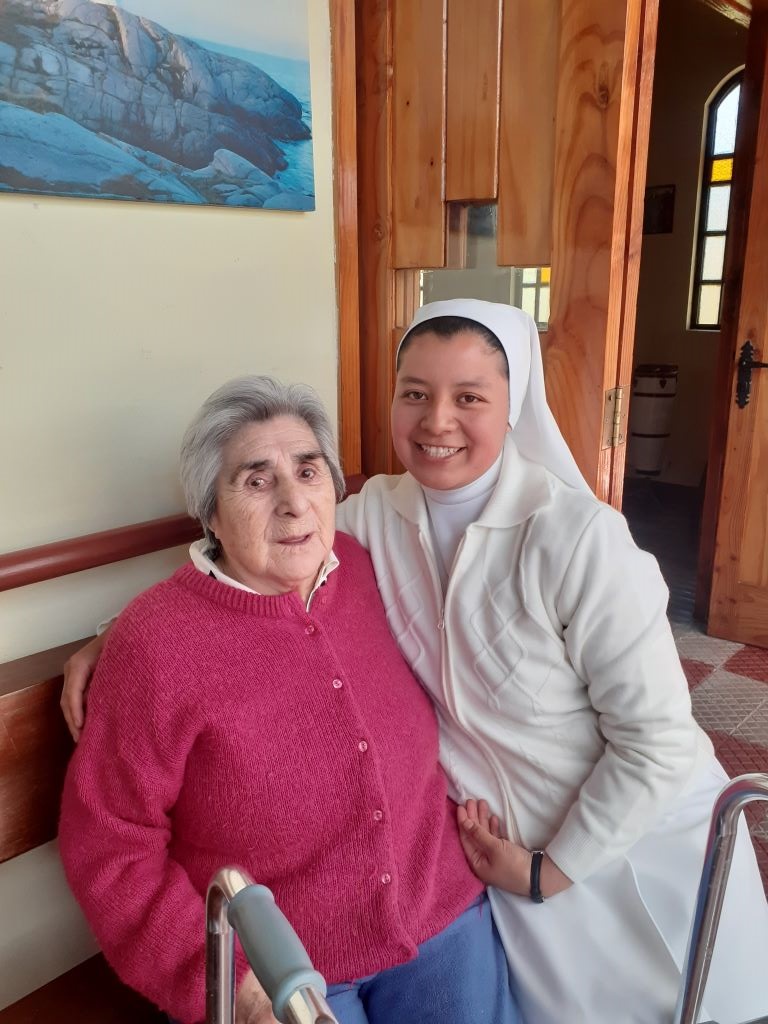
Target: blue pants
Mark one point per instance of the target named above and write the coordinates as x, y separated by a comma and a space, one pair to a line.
459, 975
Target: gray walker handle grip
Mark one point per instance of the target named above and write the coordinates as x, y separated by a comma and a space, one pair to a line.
274, 950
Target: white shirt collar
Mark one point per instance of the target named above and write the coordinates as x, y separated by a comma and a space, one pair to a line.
201, 561
469, 493
522, 488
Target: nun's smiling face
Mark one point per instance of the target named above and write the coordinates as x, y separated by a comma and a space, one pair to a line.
449, 413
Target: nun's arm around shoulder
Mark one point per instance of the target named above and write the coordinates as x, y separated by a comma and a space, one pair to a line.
611, 600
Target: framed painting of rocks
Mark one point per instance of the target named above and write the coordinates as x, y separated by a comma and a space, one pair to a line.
174, 101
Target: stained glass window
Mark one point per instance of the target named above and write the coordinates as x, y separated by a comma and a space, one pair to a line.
530, 291
712, 233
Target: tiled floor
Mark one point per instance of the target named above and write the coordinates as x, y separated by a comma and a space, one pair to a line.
728, 681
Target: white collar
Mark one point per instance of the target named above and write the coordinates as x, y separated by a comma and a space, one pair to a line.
470, 492
523, 488
201, 561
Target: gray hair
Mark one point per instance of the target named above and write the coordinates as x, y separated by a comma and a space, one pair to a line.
235, 404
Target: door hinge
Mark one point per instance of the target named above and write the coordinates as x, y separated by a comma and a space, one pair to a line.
614, 418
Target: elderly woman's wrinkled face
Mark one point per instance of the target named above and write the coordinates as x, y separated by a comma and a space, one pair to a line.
275, 507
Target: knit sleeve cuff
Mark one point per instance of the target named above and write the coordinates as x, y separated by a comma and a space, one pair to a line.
576, 853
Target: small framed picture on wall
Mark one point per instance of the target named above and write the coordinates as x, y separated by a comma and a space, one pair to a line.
659, 214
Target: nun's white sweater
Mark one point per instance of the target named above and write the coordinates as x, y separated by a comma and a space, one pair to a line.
559, 691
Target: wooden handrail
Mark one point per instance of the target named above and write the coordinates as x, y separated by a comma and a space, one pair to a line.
33, 565
49, 561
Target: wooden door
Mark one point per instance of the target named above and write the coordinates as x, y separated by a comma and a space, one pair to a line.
539, 106
738, 607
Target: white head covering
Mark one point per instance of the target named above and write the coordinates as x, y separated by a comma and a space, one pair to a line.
534, 429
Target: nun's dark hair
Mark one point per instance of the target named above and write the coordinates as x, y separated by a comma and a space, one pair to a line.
447, 327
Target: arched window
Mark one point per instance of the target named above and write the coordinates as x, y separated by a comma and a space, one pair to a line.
716, 177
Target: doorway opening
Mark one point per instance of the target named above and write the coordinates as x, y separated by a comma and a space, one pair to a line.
695, 103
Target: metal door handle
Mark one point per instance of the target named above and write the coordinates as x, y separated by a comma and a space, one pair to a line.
746, 365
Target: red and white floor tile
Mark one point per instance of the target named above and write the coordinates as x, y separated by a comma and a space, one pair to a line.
729, 693
728, 681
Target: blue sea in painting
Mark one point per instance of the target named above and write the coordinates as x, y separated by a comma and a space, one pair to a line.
293, 75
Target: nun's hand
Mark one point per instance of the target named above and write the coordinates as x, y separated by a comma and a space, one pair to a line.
77, 678
498, 861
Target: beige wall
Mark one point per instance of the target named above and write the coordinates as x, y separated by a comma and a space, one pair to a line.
117, 320
697, 49
44, 933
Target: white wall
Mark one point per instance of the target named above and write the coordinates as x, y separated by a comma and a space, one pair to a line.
697, 48
117, 320
44, 933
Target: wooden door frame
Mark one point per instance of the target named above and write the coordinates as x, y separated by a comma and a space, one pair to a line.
746, 141
345, 200
627, 238
377, 279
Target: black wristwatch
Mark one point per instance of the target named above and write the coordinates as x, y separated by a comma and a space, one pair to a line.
537, 856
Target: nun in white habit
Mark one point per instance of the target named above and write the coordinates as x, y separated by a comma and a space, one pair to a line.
540, 631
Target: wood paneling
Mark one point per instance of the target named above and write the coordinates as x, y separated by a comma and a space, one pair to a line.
472, 100
418, 133
596, 110
406, 297
569, 196
35, 668
90, 993
631, 163
345, 203
529, 55
744, 161
739, 599
34, 750
374, 97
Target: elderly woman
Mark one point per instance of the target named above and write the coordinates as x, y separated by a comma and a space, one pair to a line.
255, 709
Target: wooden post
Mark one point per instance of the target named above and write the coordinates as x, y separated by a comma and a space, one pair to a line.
418, 133
530, 34
472, 100
345, 201
602, 122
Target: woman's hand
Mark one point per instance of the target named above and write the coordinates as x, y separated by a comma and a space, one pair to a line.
497, 861
252, 1006
77, 676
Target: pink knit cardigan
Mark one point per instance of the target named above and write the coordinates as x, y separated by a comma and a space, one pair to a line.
229, 728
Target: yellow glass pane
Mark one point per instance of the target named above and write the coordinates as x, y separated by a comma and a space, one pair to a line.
722, 170
546, 273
